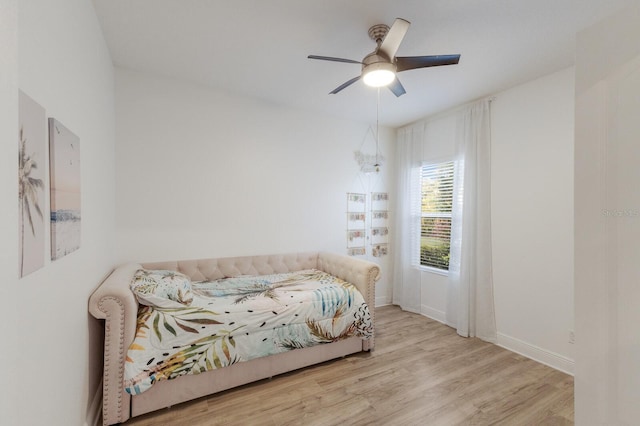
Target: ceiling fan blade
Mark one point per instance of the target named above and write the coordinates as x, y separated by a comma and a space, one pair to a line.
329, 58
412, 62
343, 85
392, 40
397, 88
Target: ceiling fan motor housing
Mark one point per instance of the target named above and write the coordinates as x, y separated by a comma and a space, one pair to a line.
383, 65
375, 58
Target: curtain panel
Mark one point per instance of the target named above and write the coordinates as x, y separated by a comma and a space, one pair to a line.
470, 302
406, 280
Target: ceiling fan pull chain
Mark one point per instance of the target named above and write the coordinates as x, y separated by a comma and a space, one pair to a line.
377, 165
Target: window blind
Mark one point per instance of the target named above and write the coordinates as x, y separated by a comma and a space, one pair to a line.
435, 226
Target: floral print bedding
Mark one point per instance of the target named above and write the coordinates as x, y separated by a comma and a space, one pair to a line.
239, 319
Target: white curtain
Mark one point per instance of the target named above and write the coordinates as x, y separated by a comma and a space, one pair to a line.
406, 282
470, 306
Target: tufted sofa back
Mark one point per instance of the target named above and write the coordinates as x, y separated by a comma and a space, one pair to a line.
214, 269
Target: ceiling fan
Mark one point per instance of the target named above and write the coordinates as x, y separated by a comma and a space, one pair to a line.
379, 67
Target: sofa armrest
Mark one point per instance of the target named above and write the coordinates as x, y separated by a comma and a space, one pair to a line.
361, 273
114, 302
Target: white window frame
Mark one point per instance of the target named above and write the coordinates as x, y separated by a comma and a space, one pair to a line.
428, 268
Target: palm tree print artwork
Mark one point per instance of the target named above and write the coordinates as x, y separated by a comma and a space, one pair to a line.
32, 146
64, 162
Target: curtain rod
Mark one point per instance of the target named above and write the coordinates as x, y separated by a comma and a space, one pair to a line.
448, 112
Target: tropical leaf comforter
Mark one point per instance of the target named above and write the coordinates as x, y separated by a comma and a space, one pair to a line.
239, 319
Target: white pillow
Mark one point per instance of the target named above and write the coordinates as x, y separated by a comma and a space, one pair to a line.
162, 289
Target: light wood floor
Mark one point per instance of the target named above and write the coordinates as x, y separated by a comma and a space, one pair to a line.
421, 373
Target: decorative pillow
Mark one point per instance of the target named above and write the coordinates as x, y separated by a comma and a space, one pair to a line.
162, 289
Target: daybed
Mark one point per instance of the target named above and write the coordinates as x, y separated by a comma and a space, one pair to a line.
114, 302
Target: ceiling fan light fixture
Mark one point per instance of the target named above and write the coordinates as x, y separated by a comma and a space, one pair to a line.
378, 74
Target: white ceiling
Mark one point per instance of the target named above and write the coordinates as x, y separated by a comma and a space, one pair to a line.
259, 48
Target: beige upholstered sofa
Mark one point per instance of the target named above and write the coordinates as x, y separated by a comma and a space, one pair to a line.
114, 302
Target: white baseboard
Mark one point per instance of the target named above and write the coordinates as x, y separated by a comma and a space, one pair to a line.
551, 359
543, 356
434, 314
94, 414
382, 301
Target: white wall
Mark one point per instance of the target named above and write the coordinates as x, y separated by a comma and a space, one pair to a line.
55, 52
607, 239
205, 174
532, 217
8, 201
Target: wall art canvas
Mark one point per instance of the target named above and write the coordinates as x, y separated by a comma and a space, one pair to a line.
32, 160
64, 165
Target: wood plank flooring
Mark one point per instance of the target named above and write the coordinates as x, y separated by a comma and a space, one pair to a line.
421, 373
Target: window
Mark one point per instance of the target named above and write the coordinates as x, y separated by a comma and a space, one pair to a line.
435, 227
